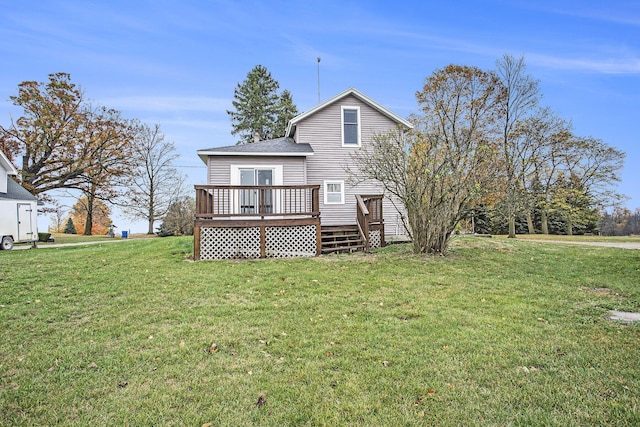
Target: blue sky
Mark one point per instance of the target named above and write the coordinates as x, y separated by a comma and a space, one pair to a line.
177, 62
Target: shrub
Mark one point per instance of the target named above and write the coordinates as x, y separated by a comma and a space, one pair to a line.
69, 228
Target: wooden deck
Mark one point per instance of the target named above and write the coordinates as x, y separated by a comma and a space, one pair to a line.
278, 221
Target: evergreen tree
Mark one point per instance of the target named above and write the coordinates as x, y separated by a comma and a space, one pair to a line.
70, 228
259, 109
286, 110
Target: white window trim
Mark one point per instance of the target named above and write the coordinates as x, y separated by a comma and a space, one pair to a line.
347, 107
277, 173
325, 185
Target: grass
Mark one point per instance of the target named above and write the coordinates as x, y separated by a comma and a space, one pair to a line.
577, 238
501, 332
79, 238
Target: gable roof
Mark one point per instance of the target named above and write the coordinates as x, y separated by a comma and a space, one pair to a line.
7, 165
354, 92
16, 191
279, 147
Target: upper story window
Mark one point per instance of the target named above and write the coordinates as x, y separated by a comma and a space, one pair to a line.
351, 126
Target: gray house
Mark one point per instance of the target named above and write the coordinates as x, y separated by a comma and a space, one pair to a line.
291, 196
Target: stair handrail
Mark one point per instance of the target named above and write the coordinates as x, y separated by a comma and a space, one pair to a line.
362, 217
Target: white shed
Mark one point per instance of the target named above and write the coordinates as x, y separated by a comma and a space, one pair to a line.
18, 209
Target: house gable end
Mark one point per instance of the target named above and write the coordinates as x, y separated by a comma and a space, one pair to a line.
293, 123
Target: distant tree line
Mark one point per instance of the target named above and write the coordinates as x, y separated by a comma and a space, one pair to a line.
620, 222
64, 142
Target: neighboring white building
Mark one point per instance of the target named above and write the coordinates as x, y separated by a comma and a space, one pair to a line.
18, 209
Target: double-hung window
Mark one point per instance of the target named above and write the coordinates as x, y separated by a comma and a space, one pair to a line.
334, 192
350, 126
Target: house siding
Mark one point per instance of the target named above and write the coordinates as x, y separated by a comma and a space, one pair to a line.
294, 171
323, 132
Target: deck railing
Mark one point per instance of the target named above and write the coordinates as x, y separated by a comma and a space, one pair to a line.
368, 215
256, 201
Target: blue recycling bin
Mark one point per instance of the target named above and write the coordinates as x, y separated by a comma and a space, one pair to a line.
125, 234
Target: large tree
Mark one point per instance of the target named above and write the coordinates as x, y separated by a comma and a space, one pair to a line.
100, 216
259, 109
66, 143
45, 139
538, 139
155, 182
109, 144
442, 168
519, 97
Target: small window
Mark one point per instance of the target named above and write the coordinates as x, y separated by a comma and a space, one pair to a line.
334, 192
350, 127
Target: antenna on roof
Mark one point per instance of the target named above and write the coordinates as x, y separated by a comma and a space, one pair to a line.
318, 80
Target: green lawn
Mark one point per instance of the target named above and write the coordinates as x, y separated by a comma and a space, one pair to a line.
501, 332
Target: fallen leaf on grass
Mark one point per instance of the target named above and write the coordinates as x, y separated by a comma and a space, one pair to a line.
213, 348
93, 365
206, 425
123, 384
261, 400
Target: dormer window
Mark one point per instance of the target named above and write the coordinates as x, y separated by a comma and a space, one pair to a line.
351, 126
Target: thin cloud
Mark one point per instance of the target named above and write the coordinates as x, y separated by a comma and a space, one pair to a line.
173, 104
604, 65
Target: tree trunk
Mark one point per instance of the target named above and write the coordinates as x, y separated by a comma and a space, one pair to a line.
569, 228
89, 222
530, 226
543, 220
151, 212
512, 226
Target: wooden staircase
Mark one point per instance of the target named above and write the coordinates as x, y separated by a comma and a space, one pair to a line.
341, 238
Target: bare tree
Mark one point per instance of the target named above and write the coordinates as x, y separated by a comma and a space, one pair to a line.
538, 140
155, 181
520, 96
597, 166
444, 166
57, 218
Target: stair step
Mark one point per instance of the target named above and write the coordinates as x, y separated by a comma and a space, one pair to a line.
342, 242
341, 238
342, 249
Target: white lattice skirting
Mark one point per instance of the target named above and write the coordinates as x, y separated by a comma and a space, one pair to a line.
244, 242
375, 238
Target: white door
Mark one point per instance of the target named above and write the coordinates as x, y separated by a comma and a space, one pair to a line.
25, 227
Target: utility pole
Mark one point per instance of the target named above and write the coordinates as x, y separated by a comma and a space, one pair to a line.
318, 80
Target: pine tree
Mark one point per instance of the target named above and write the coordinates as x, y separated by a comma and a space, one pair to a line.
70, 228
286, 111
259, 109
